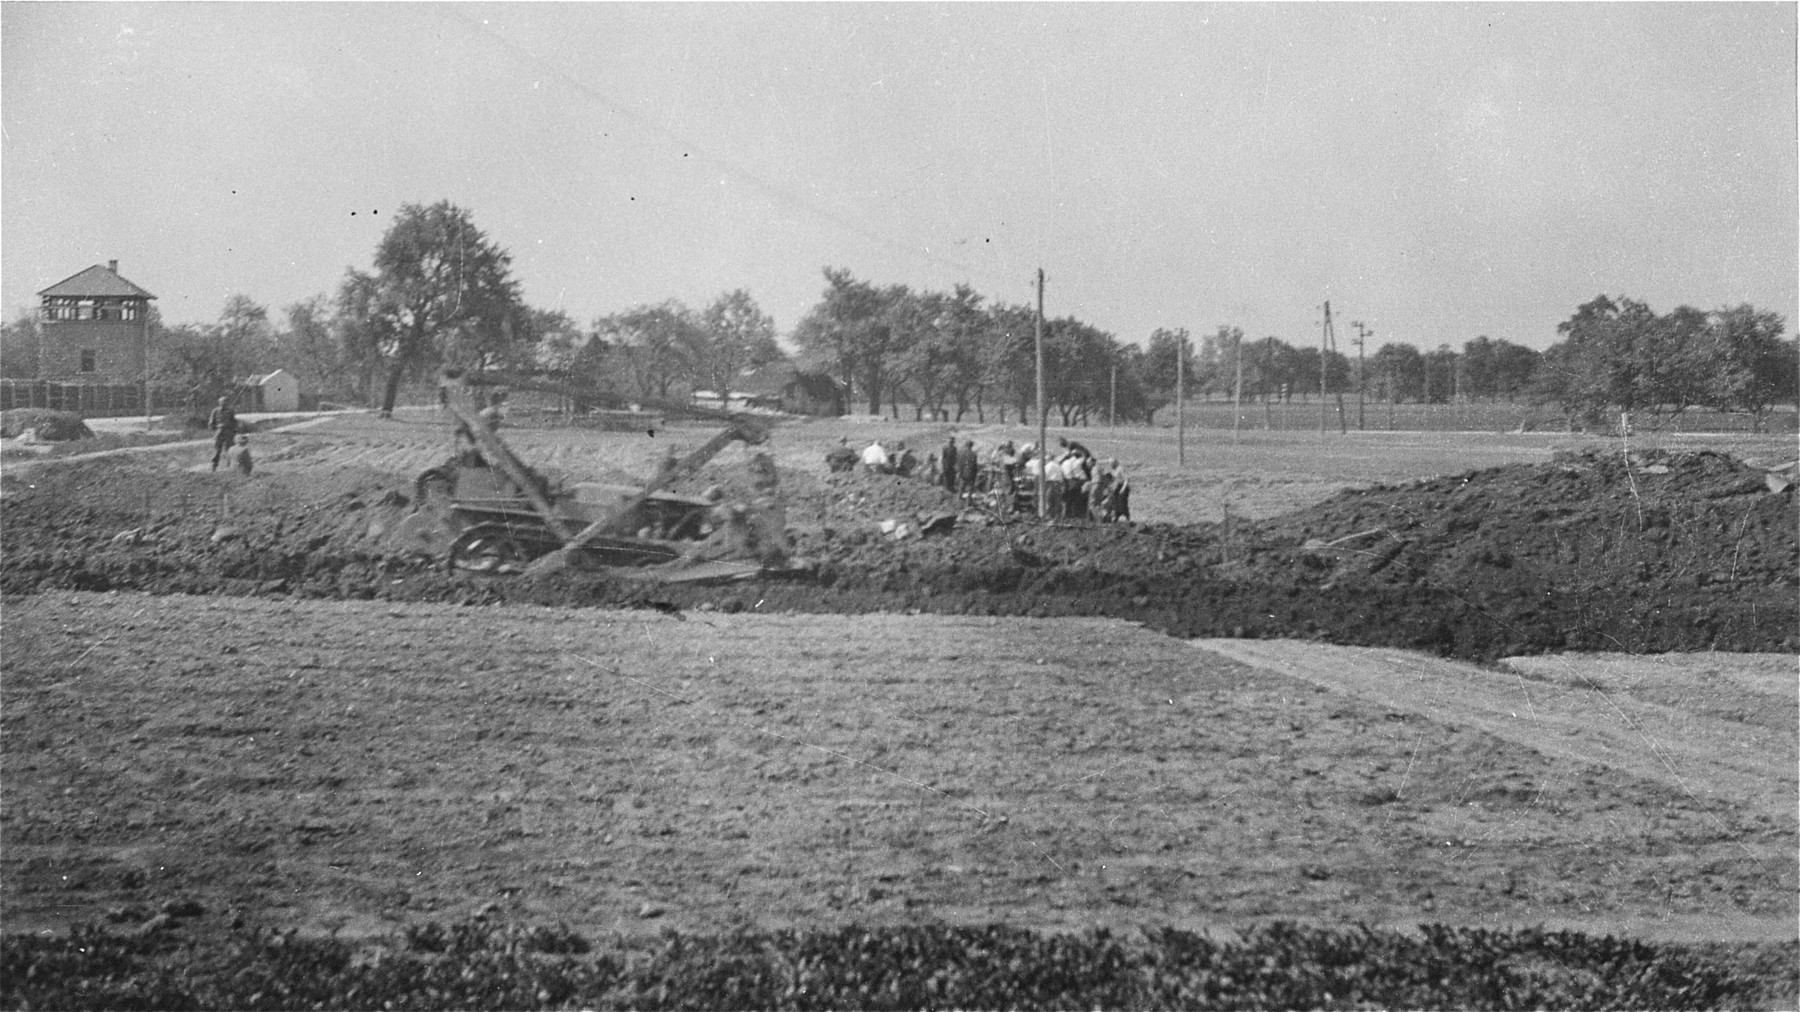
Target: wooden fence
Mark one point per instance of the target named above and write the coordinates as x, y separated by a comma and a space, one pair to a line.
90, 400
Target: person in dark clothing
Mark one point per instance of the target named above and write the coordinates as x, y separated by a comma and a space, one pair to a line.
224, 424
968, 470
841, 458
1119, 500
948, 464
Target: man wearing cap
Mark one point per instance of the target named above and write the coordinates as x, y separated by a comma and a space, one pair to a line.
224, 424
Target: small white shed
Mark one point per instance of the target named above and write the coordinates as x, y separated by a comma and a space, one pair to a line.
280, 391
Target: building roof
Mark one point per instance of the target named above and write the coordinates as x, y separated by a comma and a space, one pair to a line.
97, 280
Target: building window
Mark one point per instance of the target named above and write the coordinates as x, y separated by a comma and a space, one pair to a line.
87, 360
84, 310
129, 310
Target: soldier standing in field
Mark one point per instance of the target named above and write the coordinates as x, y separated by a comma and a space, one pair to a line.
224, 424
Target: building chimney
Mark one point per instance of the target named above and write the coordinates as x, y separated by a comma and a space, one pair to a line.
112, 265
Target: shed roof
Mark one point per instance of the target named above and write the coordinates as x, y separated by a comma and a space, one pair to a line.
96, 280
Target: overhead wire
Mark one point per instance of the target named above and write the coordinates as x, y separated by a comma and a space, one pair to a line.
735, 168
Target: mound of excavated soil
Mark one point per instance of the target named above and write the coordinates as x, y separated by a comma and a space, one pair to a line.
1664, 551
50, 426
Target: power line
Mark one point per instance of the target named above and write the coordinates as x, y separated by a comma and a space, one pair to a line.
773, 190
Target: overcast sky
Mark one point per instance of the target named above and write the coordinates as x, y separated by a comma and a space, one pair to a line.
1437, 171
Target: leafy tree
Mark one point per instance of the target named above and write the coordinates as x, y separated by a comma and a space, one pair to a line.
1443, 379
1400, 371
19, 338
922, 369
208, 360
651, 347
308, 348
1135, 402
852, 330
969, 333
203, 360
734, 335
1599, 363
1673, 368
1514, 367
563, 351
1078, 361
1215, 368
1160, 364
1752, 366
246, 321
441, 291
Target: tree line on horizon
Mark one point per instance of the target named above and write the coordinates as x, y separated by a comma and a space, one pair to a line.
441, 293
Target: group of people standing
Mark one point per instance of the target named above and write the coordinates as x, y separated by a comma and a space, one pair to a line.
1077, 485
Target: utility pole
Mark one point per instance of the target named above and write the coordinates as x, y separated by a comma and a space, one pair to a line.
1237, 388
1324, 352
1043, 406
1362, 336
1328, 347
144, 313
1268, 368
1180, 396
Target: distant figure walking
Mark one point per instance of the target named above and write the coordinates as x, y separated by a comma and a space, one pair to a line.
949, 463
224, 424
238, 457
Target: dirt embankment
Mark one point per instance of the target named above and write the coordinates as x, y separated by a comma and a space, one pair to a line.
1662, 551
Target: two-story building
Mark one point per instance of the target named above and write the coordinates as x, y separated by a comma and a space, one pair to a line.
94, 328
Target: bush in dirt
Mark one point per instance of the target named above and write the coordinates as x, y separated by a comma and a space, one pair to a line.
51, 426
1280, 965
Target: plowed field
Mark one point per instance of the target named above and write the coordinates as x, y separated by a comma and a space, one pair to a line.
243, 693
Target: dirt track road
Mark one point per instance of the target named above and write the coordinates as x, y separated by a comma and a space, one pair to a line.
1558, 707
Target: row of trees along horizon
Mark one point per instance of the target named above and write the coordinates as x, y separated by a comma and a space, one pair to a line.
441, 293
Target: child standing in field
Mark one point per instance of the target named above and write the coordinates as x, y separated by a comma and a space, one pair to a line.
238, 457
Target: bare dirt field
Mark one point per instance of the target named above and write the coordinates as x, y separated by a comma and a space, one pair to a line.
242, 692
352, 766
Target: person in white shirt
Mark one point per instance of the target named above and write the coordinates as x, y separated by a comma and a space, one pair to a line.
875, 459
1075, 477
1054, 503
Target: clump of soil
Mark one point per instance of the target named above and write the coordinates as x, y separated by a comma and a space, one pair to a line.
50, 426
1593, 551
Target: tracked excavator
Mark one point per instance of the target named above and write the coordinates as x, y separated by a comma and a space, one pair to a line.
486, 511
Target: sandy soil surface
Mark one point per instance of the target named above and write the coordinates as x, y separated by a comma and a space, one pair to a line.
349, 765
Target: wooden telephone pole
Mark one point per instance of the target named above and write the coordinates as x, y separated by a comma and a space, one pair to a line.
1324, 352
1043, 406
1327, 345
1362, 336
1237, 387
